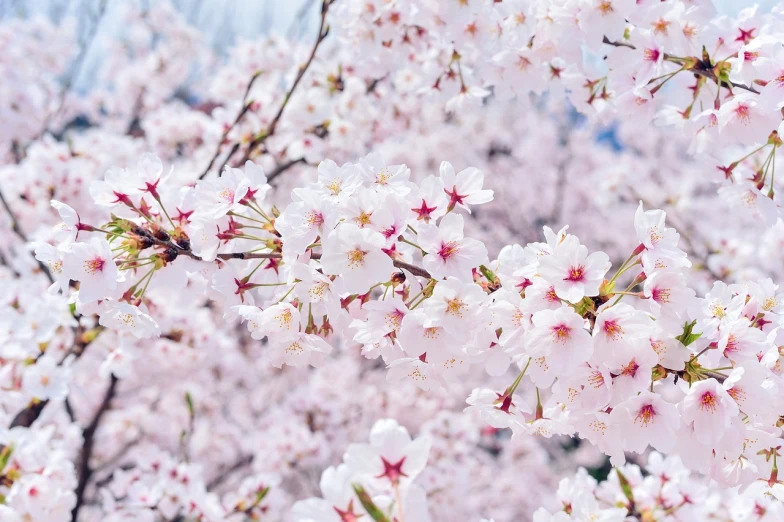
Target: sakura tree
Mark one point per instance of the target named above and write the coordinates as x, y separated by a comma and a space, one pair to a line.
420, 265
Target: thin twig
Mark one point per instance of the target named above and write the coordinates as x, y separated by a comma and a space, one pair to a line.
172, 246
701, 68
85, 472
283, 167
221, 478
246, 105
262, 137
18, 231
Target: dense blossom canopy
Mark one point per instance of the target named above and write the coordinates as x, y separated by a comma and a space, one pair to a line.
332, 280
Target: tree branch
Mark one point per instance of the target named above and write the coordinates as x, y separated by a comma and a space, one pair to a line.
701, 69
18, 231
245, 108
262, 137
283, 167
85, 472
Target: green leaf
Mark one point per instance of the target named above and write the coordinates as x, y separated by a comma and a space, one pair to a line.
260, 496
189, 403
5, 456
688, 336
367, 503
489, 274
625, 487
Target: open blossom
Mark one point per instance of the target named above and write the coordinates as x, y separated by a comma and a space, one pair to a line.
298, 349
648, 419
450, 254
749, 199
560, 336
216, 198
46, 380
92, 264
66, 231
367, 288
430, 201
392, 179
616, 327
52, 257
357, 251
125, 317
304, 220
495, 409
391, 457
115, 189
454, 305
149, 174
661, 243
574, 273
465, 187
337, 182
710, 408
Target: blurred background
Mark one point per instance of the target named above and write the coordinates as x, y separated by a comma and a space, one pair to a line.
222, 23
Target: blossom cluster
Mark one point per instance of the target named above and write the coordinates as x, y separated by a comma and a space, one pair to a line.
365, 252
716, 80
227, 311
664, 490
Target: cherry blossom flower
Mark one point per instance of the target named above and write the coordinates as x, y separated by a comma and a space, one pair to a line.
350, 249
465, 187
450, 254
93, 266
574, 273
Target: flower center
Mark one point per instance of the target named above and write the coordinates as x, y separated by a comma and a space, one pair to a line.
646, 415
393, 319
432, 333
314, 219
709, 402
455, 307
356, 258
743, 113
94, 265
596, 379
317, 291
294, 348
630, 370
660, 26
717, 310
661, 295
449, 249
651, 55
561, 333
334, 186
284, 319
576, 274
613, 330
363, 219
226, 195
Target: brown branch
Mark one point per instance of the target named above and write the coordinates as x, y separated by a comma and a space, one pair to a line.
245, 108
171, 246
27, 416
18, 231
262, 137
85, 472
283, 167
701, 68
221, 478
